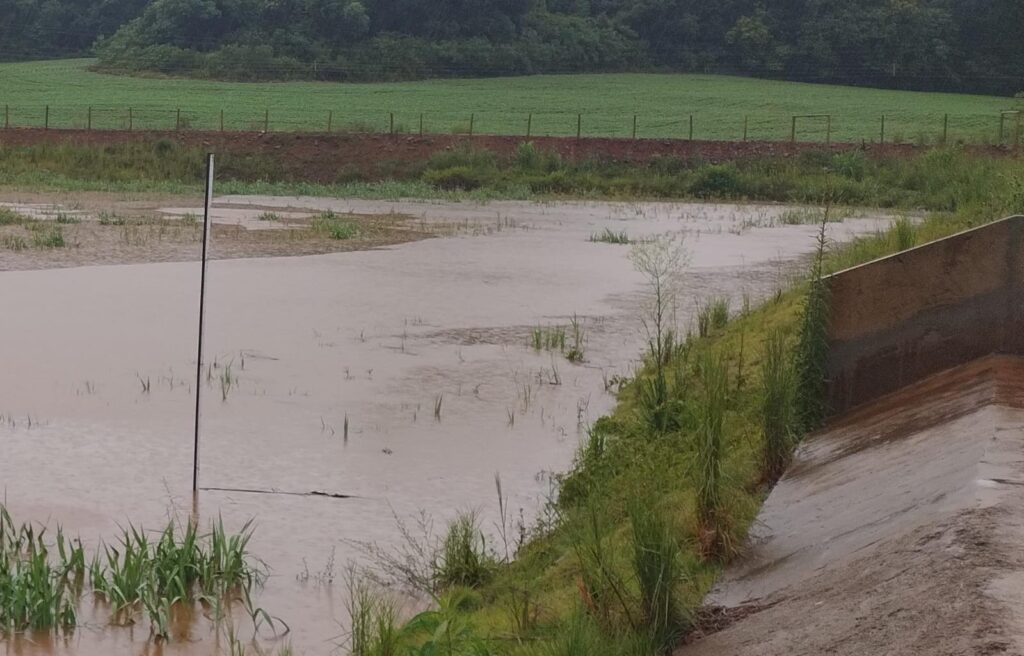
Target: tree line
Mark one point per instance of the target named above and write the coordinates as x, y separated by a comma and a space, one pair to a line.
956, 45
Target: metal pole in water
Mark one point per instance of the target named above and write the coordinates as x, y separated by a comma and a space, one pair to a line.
202, 318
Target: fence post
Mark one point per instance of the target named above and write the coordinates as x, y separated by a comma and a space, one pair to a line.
634, 126
177, 120
46, 120
579, 126
945, 128
529, 124
130, 118
266, 120
881, 138
330, 117
421, 124
792, 132
222, 120
391, 125
7, 116
745, 121
828, 130
88, 119
691, 127
471, 117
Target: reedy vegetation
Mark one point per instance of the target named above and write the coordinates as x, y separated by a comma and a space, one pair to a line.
42, 583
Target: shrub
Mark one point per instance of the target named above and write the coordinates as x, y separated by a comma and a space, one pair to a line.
455, 178
716, 180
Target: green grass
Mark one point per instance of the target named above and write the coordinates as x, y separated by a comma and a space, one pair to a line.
607, 102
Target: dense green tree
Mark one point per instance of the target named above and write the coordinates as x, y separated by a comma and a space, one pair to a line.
959, 45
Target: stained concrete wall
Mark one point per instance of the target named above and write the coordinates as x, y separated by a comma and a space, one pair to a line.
902, 318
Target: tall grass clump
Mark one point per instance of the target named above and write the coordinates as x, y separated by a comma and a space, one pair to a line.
812, 345
374, 629
37, 591
333, 226
609, 236
709, 471
904, 233
657, 564
464, 559
778, 407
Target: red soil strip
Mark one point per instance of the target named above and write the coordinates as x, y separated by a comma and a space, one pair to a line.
329, 157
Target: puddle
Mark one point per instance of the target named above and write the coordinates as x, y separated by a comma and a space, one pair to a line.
373, 339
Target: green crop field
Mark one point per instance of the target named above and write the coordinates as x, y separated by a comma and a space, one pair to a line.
722, 107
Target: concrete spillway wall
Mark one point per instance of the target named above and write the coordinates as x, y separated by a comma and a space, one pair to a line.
902, 318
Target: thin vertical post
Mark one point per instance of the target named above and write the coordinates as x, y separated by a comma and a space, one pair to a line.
792, 132
421, 124
330, 117
202, 318
691, 127
391, 128
745, 123
881, 138
177, 120
579, 126
945, 128
7, 116
222, 120
1016, 132
46, 120
266, 120
828, 130
130, 119
88, 119
471, 117
529, 124
634, 126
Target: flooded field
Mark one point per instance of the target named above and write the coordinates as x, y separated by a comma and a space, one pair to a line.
400, 375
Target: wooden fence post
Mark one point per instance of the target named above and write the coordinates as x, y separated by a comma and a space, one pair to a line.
88, 119
222, 120
792, 132
945, 128
691, 127
266, 120
828, 130
330, 117
177, 120
130, 119
634, 126
7, 116
745, 122
579, 126
391, 124
46, 120
421, 124
881, 138
529, 124
471, 117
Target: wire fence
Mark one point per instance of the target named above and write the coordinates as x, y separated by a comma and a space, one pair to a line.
1004, 128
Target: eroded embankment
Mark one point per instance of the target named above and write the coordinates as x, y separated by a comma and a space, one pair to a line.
896, 531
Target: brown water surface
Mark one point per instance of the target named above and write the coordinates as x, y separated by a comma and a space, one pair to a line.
374, 338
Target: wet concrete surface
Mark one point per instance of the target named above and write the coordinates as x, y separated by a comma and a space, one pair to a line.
894, 532
97, 387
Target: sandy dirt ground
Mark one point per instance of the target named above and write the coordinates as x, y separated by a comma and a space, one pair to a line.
892, 534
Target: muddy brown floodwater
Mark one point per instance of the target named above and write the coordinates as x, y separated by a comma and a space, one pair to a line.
370, 338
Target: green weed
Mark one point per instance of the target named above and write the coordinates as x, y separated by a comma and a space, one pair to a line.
778, 407
608, 236
333, 226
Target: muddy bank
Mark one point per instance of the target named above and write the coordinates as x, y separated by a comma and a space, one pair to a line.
53, 235
907, 544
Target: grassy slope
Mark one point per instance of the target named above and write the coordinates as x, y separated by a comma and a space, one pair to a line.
501, 105
636, 464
